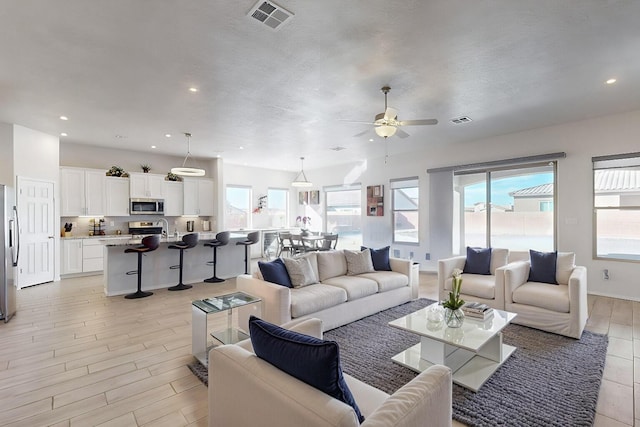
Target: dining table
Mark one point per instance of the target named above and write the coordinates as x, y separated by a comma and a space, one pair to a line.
310, 242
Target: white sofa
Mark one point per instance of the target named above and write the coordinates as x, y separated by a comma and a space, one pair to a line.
487, 289
245, 390
337, 299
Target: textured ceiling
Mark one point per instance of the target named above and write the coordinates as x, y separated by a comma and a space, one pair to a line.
123, 67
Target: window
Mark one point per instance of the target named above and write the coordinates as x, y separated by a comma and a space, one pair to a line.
237, 207
616, 202
278, 206
508, 207
405, 201
343, 215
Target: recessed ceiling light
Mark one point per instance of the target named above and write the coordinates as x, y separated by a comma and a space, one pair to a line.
370, 139
64, 118
611, 81
120, 136
168, 135
153, 146
63, 134
218, 156
242, 148
193, 89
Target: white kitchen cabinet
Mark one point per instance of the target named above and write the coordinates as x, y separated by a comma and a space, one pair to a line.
116, 196
82, 191
71, 256
173, 198
92, 255
198, 196
146, 186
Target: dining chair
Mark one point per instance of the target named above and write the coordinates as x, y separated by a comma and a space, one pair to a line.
285, 244
329, 243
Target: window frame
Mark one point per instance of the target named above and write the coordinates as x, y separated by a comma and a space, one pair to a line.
397, 184
611, 162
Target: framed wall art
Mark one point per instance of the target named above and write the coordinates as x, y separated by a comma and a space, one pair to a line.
314, 197
303, 197
375, 200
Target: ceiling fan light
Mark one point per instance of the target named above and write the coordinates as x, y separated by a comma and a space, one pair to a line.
385, 130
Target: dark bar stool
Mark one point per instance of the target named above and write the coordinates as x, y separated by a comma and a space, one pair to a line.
252, 239
149, 244
221, 239
188, 241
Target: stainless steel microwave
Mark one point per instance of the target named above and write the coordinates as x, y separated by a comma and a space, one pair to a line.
146, 207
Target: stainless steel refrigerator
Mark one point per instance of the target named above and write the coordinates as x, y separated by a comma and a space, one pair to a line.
9, 252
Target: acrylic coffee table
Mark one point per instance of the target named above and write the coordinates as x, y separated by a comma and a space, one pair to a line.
473, 352
237, 306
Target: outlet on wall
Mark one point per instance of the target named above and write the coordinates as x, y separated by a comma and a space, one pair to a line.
427, 256
605, 274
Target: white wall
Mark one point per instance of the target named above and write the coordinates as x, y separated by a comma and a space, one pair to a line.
580, 140
7, 177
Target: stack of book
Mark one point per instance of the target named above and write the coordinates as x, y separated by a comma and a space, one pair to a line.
476, 310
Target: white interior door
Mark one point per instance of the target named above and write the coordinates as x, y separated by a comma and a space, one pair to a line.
37, 237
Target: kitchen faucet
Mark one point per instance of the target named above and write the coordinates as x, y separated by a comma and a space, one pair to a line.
165, 233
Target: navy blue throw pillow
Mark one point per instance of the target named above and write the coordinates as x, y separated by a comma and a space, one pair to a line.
309, 359
543, 267
380, 258
275, 272
478, 261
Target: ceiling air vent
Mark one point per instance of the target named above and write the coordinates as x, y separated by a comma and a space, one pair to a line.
463, 119
270, 14
337, 148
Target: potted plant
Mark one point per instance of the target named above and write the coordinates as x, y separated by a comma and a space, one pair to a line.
172, 177
145, 168
453, 314
117, 171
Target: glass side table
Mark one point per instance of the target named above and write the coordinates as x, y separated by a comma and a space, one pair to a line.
230, 332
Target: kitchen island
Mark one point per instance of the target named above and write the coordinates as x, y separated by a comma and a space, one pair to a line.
155, 265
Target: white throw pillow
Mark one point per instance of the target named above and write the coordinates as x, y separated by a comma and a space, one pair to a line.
358, 262
565, 263
300, 272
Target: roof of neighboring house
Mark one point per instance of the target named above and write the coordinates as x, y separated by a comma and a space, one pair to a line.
617, 180
537, 191
606, 180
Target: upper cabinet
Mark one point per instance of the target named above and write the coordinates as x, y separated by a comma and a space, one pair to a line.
82, 191
173, 198
198, 196
116, 196
146, 185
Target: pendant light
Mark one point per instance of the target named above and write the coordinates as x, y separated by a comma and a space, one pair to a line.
301, 180
186, 171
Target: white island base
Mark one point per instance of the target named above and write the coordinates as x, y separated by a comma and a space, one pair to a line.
155, 265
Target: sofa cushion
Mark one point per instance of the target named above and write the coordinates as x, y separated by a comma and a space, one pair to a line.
565, 264
478, 261
275, 272
355, 286
543, 267
313, 260
358, 262
309, 359
478, 285
387, 280
543, 295
300, 272
313, 298
499, 258
331, 264
379, 258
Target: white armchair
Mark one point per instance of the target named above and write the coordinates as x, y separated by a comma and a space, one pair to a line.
560, 309
487, 289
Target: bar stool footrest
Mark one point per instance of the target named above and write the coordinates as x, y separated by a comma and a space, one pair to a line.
129, 273
174, 267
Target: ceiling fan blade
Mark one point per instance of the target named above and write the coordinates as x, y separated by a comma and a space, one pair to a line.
419, 122
364, 132
366, 122
390, 113
401, 134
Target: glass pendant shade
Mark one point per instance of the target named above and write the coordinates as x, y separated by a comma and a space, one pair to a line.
385, 131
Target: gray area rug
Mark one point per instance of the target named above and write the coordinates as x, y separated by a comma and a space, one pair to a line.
550, 380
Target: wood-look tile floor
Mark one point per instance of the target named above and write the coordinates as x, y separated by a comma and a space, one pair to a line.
73, 357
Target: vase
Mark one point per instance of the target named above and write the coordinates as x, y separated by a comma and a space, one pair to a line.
453, 318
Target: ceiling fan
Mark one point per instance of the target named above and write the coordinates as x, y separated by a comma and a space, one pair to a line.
387, 123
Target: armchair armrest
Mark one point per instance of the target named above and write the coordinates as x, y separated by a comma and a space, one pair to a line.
404, 266
445, 270
578, 304
515, 274
276, 299
426, 397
